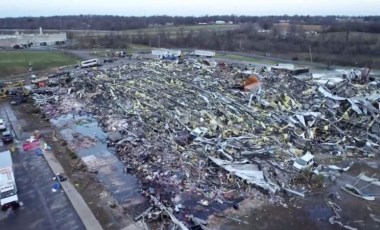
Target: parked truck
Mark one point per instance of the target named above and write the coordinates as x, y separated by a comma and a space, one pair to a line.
90, 63
166, 53
204, 53
8, 189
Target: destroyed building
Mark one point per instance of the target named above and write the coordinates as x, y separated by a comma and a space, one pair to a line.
199, 143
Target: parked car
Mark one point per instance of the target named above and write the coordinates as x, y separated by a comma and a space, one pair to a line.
108, 60
2, 125
7, 137
18, 99
304, 162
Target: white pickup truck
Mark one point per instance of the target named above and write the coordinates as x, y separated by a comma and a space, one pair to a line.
305, 162
8, 189
2, 125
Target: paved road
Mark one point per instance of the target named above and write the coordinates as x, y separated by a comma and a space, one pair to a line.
87, 54
42, 209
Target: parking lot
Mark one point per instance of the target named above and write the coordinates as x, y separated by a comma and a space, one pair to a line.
41, 207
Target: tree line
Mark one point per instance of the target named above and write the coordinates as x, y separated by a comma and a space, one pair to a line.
343, 41
331, 48
108, 22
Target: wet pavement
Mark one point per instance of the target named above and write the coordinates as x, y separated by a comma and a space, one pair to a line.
42, 208
86, 138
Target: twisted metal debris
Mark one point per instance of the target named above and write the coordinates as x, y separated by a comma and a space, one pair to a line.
189, 132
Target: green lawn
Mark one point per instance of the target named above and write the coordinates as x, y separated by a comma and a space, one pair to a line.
16, 62
132, 48
244, 58
172, 31
187, 28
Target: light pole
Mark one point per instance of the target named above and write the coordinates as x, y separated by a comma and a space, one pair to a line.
311, 56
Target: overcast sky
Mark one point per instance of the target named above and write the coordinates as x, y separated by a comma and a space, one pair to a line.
15, 8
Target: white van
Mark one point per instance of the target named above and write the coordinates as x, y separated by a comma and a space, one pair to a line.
2, 125
90, 63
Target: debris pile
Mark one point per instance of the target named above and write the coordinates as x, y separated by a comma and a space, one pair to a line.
198, 141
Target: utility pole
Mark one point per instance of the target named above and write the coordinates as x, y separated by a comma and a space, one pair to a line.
240, 45
158, 41
311, 56
144, 19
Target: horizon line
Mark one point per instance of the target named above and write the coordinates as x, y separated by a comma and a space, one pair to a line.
206, 15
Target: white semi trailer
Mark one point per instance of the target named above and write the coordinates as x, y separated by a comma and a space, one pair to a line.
8, 189
166, 53
204, 53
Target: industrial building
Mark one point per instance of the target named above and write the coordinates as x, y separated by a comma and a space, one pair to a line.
27, 40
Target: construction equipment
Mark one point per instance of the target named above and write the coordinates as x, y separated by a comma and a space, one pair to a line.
16, 91
18, 95
17, 99
40, 82
119, 54
6, 86
251, 83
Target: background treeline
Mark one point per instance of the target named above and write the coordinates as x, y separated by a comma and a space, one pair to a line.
369, 24
353, 41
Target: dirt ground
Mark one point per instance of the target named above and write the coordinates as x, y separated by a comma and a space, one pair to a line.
110, 216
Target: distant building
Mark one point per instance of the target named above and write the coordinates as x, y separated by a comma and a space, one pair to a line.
312, 34
349, 19
26, 40
284, 29
220, 22
263, 31
290, 68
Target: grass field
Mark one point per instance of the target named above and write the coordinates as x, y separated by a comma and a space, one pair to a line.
153, 31
187, 28
131, 49
16, 62
244, 58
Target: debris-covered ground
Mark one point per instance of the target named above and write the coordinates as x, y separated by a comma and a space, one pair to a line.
200, 144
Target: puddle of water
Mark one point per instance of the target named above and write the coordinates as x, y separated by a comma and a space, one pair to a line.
94, 152
124, 187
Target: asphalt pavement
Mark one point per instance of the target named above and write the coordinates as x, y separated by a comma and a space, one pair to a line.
41, 207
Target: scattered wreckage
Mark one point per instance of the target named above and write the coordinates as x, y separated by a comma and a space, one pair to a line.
336, 218
196, 131
358, 192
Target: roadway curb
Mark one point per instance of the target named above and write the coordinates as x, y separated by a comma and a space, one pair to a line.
84, 212
80, 206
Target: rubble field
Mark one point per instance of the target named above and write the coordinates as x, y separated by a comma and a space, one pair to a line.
200, 144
